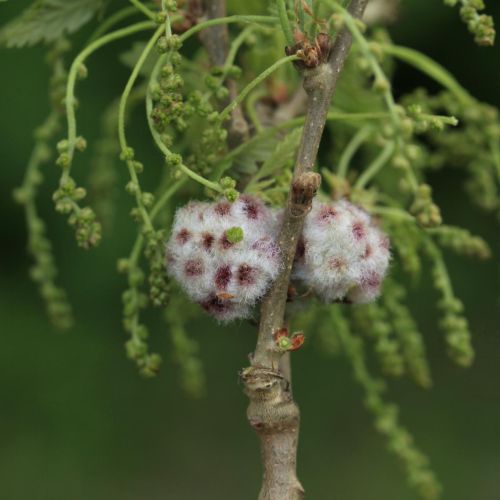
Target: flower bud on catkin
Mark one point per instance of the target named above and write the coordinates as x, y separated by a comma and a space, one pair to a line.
224, 255
343, 255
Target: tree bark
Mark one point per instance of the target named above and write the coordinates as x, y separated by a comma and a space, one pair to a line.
272, 412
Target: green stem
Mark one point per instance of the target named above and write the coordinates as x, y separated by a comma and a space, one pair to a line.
158, 206
285, 22
227, 20
429, 67
380, 76
354, 144
235, 46
111, 21
392, 213
168, 23
121, 121
447, 120
376, 68
435, 253
145, 10
70, 88
250, 108
230, 107
377, 164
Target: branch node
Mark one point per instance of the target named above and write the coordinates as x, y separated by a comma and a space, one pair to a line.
304, 188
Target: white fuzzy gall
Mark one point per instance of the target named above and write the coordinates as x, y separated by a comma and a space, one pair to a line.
342, 255
224, 255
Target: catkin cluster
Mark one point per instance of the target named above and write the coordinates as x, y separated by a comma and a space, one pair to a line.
225, 255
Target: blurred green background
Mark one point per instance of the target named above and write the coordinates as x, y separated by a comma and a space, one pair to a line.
77, 422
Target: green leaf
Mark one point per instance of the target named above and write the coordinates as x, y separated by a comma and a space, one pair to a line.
250, 157
281, 158
47, 20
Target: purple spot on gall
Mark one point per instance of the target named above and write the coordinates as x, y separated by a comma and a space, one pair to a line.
358, 230
373, 280
223, 277
224, 242
207, 241
193, 268
251, 207
222, 208
327, 214
183, 236
368, 251
246, 275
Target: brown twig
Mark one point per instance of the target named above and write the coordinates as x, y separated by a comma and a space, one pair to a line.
272, 412
215, 40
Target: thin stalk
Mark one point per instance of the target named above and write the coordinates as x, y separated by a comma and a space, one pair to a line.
121, 122
227, 20
393, 213
376, 68
354, 144
285, 22
256, 81
429, 67
73, 73
112, 21
250, 108
145, 10
235, 46
374, 168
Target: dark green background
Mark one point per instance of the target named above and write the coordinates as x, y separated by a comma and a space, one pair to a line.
76, 421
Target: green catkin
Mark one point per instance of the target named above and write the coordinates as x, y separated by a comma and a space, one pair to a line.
405, 238
399, 440
44, 269
372, 321
453, 322
185, 350
134, 300
480, 25
68, 196
473, 146
461, 241
424, 209
410, 338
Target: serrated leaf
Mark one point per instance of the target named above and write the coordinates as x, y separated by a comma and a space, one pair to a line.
47, 20
281, 157
246, 163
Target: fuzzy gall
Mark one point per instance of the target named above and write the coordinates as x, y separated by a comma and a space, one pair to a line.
224, 255
342, 255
